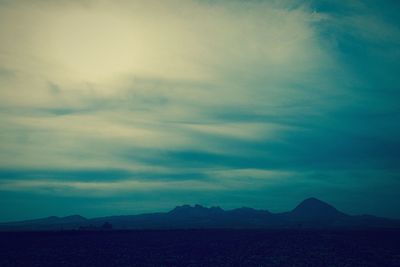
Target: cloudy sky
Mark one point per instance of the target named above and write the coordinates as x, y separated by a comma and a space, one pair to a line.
122, 107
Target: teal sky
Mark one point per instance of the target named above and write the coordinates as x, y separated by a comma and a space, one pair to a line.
123, 107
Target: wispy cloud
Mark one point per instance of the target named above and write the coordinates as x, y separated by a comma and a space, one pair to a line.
177, 95
115, 76
92, 184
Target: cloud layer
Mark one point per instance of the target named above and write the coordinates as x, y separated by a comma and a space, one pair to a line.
257, 103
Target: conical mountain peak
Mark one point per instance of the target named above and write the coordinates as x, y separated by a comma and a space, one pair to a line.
313, 202
315, 209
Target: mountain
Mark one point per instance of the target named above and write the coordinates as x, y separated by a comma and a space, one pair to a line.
196, 211
310, 213
315, 210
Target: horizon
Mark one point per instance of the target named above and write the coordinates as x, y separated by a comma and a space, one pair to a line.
196, 205
129, 107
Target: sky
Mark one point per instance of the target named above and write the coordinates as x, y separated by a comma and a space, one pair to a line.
124, 107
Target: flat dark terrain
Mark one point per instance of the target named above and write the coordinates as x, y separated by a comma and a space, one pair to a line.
201, 248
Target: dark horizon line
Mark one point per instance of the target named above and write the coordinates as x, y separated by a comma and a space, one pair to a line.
193, 206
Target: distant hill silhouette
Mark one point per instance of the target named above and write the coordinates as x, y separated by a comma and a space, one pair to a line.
310, 213
313, 212
314, 209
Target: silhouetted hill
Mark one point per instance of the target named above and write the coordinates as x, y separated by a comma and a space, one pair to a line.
310, 213
313, 211
196, 211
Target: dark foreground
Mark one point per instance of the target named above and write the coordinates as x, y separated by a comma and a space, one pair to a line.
201, 248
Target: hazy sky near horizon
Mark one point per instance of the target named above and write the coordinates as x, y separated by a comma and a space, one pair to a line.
121, 107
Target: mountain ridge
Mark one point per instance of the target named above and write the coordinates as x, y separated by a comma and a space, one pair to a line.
311, 213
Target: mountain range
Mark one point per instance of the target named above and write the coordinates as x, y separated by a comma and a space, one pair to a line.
309, 214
